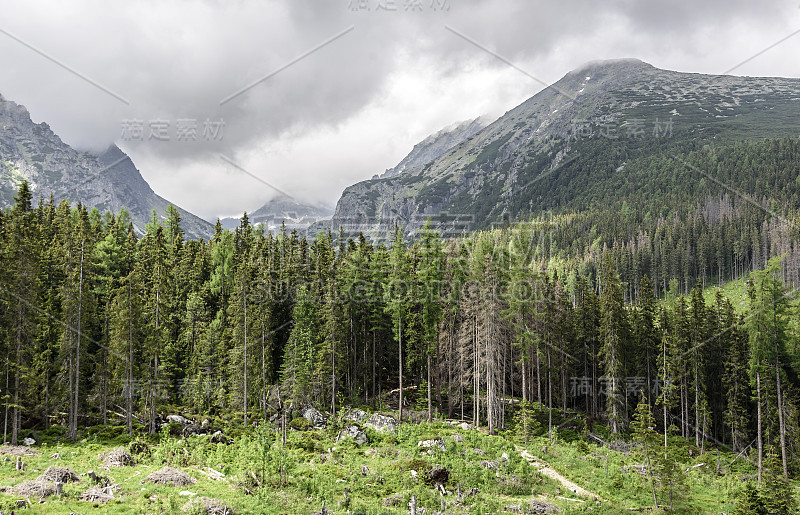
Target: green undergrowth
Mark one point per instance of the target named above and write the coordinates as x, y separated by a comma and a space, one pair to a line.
262, 475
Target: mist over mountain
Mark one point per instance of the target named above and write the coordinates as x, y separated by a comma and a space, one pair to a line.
436, 144
108, 181
293, 213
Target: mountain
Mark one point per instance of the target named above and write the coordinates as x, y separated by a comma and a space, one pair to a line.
595, 127
107, 181
283, 210
435, 145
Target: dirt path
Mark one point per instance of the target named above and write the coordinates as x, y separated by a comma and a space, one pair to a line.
552, 473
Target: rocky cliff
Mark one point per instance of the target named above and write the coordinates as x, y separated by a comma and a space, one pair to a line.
108, 181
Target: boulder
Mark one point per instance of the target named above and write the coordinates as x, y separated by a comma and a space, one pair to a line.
28, 441
313, 415
457, 438
193, 429
382, 423
355, 433
177, 418
356, 415
427, 444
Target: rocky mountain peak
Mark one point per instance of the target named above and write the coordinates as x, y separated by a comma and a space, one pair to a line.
604, 111
107, 181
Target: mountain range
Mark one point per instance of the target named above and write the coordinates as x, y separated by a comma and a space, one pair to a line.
545, 154
593, 130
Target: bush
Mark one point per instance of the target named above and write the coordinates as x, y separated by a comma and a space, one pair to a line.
105, 433
300, 424
418, 465
139, 449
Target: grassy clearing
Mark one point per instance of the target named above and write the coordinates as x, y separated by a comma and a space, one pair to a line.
261, 475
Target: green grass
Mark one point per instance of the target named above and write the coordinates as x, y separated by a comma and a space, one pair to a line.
735, 291
313, 469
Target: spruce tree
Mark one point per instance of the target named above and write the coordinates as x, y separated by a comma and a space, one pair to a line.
613, 332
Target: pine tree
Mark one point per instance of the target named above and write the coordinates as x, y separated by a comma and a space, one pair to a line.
769, 332
643, 427
613, 331
300, 351
397, 302
429, 273
735, 379
153, 265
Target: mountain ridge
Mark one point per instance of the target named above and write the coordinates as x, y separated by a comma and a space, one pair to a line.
108, 180
617, 109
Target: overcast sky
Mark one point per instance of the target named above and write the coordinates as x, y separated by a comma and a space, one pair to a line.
312, 96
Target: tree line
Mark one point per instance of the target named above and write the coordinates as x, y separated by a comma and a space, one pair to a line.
102, 324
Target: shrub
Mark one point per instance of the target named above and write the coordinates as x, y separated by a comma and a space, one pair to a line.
140, 449
419, 465
300, 424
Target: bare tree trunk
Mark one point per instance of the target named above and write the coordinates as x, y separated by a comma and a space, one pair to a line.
400, 348
549, 400
245, 356
696, 406
15, 410
430, 385
333, 370
129, 415
5, 420
264, 370
760, 442
780, 414
450, 371
74, 428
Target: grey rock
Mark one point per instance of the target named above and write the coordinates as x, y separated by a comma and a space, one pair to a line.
282, 210
436, 144
313, 415
177, 418
193, 429
428, 444
382, 423
356, 415
355, 433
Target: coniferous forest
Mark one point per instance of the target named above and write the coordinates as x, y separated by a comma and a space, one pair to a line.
603, 314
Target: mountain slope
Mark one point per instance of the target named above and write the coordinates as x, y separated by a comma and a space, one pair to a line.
435, 145
550, 152
108, 181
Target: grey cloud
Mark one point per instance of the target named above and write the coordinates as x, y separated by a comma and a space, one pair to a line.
177, 60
